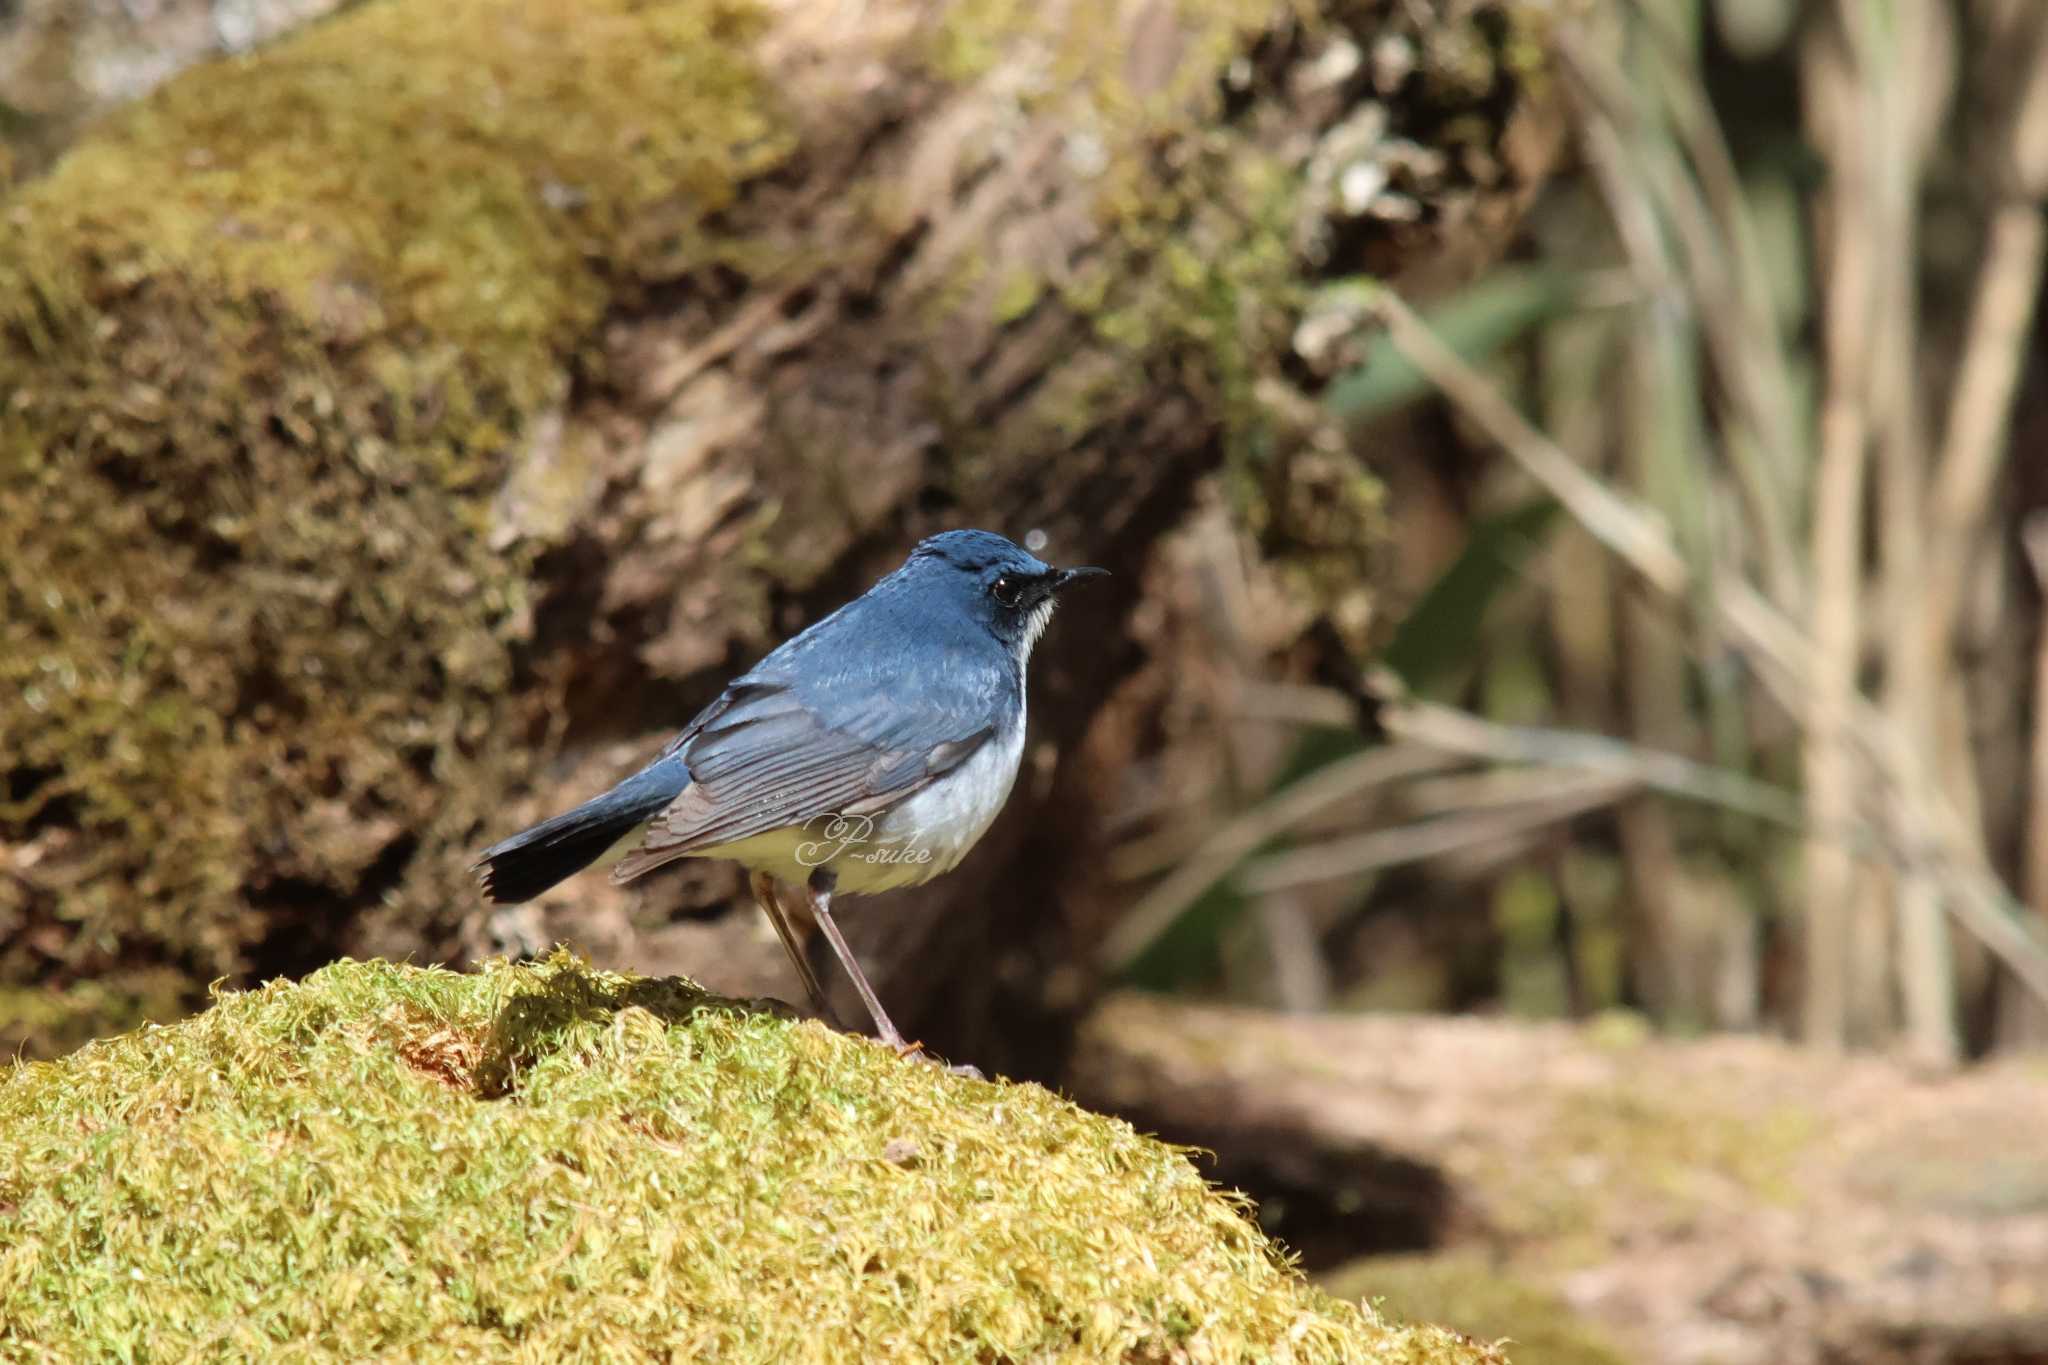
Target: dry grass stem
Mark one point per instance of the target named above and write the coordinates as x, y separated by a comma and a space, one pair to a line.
1918, 819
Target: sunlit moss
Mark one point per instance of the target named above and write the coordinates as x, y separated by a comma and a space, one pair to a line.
551, 1163
1193, 275
1665, 1151
1480, 1300
39, 1021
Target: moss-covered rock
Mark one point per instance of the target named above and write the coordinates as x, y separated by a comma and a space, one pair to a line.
1482, 1299
551, 1163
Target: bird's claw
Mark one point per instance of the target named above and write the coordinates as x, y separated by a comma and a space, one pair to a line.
915, 1052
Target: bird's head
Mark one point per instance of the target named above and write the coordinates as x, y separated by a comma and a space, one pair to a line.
1001, 585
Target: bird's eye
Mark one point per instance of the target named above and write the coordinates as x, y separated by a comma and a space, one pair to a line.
1007, 591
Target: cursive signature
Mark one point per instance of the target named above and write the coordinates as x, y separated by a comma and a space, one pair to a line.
851, 838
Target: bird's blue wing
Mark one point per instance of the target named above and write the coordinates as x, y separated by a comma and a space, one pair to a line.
817, 731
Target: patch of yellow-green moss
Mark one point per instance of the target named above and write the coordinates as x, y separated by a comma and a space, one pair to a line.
1465, 1291
1645, 1151
551, 1163
42, 1021
266, 340
1193, 273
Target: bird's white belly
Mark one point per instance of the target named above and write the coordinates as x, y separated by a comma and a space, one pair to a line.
911, 842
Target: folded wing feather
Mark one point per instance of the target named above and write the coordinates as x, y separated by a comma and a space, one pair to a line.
762, 760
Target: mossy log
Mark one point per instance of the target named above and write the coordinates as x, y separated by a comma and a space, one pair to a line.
63, 62
404, 428
554, 1164
1732, 1200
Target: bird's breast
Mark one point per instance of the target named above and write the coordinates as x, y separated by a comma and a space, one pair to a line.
921, 837
929, 832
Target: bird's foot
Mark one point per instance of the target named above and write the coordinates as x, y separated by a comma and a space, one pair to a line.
915, 1052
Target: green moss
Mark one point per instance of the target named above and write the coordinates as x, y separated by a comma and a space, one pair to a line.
1646, 1151
47, 1021
266, 341
1217, 287
1534, 1326
1019, 294
565, 1164
1194, 276
971, 37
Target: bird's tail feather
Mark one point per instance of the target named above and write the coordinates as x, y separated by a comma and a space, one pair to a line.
531, 861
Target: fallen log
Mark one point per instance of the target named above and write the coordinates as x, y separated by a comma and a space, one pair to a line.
1731, 1200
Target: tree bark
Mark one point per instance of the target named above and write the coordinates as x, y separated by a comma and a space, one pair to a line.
429, 455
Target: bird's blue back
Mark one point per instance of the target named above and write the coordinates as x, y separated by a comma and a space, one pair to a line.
902, 665
911, 661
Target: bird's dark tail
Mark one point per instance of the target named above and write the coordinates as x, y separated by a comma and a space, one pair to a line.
533, 860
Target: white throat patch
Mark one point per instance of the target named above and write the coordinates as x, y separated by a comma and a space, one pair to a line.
1034, 626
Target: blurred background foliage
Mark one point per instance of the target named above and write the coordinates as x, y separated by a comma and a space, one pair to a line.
1708, 682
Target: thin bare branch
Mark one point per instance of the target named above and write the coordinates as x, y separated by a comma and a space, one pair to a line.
1449, 730
1836, 116
1974, 444
1629, 529
1242, 836
1357, 854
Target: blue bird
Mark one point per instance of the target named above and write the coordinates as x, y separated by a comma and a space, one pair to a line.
869, 752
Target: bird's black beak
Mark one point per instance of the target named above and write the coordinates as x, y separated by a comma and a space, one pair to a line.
1063, 578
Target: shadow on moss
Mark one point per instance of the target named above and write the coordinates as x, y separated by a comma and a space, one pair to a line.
543, 1017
